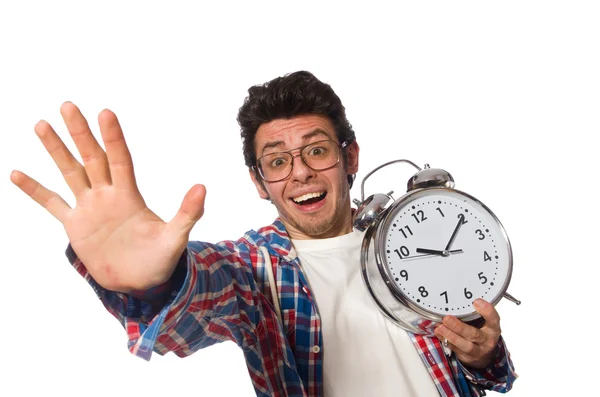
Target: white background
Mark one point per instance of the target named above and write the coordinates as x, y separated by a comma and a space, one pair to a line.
504, 95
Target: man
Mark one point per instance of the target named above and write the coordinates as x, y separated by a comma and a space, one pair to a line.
262, 290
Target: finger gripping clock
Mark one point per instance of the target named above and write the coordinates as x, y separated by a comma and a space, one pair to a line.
434, 251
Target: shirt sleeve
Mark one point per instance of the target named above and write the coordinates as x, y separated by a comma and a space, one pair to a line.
211, 297
498, 376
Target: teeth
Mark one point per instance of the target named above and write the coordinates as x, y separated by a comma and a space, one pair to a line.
307, 196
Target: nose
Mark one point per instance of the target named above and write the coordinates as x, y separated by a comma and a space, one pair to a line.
300, 171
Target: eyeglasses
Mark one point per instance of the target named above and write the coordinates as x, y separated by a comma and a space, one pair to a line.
318, 156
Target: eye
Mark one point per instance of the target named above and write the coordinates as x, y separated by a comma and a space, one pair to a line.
317, 151
278, 162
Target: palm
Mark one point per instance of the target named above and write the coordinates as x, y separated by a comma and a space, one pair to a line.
122, 243
111, 228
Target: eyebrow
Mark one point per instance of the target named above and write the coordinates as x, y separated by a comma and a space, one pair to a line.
279, 144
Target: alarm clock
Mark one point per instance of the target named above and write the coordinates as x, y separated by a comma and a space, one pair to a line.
431, 252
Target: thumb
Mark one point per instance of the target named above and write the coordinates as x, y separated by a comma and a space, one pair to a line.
191, 210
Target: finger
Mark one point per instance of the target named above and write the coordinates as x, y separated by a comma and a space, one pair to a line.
94, 158
456, 342
51, 201
72, 171
191, 210
119, 157
443, 340
467, 332
489, 314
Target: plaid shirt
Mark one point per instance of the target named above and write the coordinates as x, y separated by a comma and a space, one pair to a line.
220, 292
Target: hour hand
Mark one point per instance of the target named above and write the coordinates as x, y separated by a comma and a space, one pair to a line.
437, 252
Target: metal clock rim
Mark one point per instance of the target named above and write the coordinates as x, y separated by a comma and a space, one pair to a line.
366, 243
382, 225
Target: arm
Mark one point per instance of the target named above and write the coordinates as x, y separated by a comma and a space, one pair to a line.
115, 234
211, 297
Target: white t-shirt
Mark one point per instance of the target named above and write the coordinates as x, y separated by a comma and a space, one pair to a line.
365, 354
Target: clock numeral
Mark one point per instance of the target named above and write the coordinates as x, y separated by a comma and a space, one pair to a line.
402, 252
404, 273
420, 214
423, 292
480, 233
445, 295
462, 218
482, 278
408, 229
468, 294
486, 256
439, 209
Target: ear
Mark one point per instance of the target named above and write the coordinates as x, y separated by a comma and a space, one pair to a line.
352, 154
260, 186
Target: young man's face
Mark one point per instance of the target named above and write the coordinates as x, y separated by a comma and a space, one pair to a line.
328, 215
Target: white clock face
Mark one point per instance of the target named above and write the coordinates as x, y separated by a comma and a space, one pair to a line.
443, 250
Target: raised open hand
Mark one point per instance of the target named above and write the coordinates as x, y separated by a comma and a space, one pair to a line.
122, 243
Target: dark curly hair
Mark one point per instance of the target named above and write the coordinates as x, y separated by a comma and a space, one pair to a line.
292, 95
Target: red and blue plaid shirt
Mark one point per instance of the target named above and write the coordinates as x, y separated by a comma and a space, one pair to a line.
220, 292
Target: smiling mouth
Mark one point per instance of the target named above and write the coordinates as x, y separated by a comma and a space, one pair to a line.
309, 198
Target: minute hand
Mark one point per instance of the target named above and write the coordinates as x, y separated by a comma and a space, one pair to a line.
458, 225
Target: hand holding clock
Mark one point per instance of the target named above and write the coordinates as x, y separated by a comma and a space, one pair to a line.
444, 290
474, 347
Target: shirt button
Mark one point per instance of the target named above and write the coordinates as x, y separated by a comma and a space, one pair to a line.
316, 349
